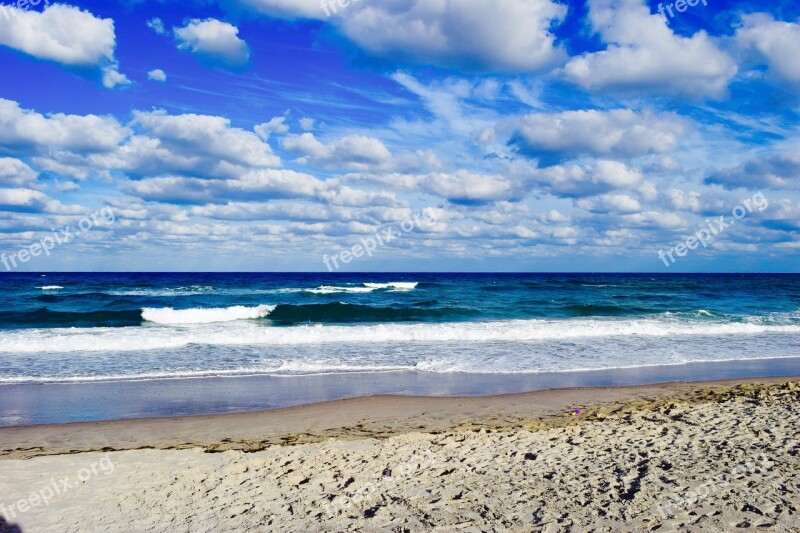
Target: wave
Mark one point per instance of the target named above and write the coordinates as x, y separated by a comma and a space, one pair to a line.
395, 286
51, 287
197, 290
168, 315
398, 285
341, 312
250, 333
329, 289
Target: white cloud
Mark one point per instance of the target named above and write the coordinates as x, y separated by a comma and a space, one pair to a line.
554, 137
154, 143
468, 187
684, 200
496, 35
157, 25
485, 35
14, 173
255, 185
345, 196
355, 152
776, 41
67, 35
206, 134
608, 203
656, 220
275, 125
113, 78
28, 132
577, 181
31, 201
268, 184
22, 198
157, 75
307, 124
644, 53
189, 144
214, 40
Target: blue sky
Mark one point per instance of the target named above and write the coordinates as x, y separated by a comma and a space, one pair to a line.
537, 135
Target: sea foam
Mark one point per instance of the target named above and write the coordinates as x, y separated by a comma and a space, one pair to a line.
168, 315
221, 327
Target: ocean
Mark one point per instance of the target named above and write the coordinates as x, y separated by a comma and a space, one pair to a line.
99, 327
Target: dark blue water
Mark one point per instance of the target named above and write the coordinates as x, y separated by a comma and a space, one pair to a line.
75, 327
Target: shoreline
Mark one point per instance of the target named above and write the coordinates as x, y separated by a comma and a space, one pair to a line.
370, 417
51, 403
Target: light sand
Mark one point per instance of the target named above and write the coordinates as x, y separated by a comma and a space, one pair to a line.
668, 457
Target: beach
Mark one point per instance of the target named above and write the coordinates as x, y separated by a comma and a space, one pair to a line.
712, 456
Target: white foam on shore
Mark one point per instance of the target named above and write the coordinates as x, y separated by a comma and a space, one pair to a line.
294, 369
168, 315
223, 327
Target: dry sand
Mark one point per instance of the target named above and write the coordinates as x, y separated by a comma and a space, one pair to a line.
676, 457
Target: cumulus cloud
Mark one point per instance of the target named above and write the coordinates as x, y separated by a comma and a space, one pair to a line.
684, 200
256, 185
154, 143
496, 35
23, 200
555, 137
781, 171
14, 173
483, 35
28, 132
578, 181
188, 144
307, 124
275, 125
643, 53
157, 25
268, 184
215, 41
157, 75
67, 35
287, 210
464, 187
610, 203
355, 152
112, 77
775, 41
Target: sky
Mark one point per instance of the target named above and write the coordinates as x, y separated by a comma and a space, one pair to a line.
482, 135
